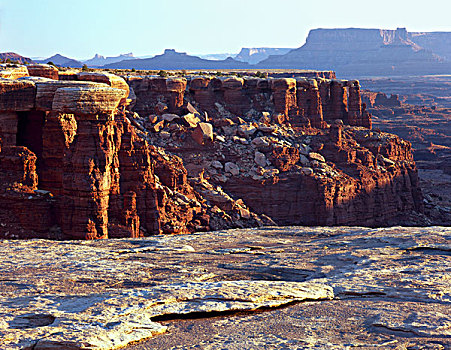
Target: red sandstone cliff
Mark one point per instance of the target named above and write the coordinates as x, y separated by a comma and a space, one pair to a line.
75, 162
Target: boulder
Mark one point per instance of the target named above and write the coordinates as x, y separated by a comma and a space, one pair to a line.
232, 168
203, 133
216, 164
316, 156
246, 130
170, 117
43, 70
260, 159
191, 120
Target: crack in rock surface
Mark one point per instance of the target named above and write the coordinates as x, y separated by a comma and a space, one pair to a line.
371, 288
109, 321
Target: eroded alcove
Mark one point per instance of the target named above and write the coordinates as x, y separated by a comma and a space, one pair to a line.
29, 134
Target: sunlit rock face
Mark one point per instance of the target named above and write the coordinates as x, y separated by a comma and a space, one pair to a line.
95, 157
300, 151
73, 166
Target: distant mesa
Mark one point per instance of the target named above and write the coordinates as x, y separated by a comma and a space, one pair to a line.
216, 56
62, 61
350, 52
172, 59
99, 60
258, 54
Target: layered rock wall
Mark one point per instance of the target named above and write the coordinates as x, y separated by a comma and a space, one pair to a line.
301, 101
70, 160
78, 162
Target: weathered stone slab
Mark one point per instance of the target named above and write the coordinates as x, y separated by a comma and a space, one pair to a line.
87, 100
13, 71
113, 320
110, 79
17, 95
46, 89
43, 70
387, 283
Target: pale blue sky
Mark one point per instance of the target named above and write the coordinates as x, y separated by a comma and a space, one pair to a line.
82, 28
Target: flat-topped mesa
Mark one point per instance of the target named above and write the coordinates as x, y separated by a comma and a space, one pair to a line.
300, 101
13, 71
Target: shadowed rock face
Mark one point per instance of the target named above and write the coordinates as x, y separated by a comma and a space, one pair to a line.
383, 288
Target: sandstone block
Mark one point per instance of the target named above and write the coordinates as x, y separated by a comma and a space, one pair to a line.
13, 71
17, 95
191, 120
46, 88
260, 159
43, 70
110, 79
216, 164
87, 100
316, 156
203, 133
170, 117
246, 130
283, 84
176, 84
307, 171
233, 83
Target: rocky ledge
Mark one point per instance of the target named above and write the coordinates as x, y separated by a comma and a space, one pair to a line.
339, 287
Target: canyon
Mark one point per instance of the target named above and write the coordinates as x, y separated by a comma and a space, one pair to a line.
418, 109
229, 208
95, 155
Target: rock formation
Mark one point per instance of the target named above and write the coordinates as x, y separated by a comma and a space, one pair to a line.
171, 59
302, 101
14, 57
360, 52
61, 61
70, 156
95, 157
295, 164
257, 54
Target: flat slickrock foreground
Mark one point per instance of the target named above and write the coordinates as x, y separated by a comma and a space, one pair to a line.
274, 288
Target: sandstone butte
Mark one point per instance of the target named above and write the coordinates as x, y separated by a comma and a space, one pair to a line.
95, 155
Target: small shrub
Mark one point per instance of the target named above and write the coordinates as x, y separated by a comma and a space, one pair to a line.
84, 68
259, 74
163, 73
